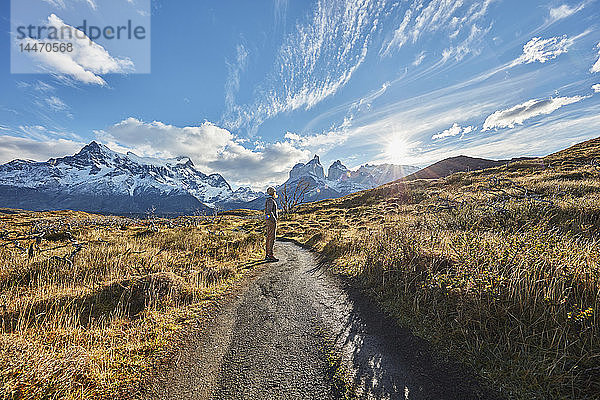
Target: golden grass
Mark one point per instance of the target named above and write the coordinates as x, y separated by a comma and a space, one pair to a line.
93, 322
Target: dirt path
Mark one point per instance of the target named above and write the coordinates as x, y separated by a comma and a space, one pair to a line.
275, 340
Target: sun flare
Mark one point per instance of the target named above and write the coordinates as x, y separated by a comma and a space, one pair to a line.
396, 149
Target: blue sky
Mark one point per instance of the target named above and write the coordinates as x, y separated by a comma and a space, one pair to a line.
247, 89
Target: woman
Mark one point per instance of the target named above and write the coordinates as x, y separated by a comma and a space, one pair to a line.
271, 222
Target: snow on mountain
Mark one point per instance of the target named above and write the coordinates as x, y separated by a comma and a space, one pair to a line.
245, 194
384, 173
337, 170
98, 179
97, 170
313, 169
341, 181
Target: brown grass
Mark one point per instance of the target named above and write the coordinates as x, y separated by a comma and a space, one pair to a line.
92, 306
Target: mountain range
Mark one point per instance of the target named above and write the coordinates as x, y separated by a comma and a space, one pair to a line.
98, 179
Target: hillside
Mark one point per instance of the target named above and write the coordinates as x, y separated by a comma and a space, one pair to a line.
451, 165
498, 268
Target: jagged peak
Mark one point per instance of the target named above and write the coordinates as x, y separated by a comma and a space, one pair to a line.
337, 163
94, 147
185, 160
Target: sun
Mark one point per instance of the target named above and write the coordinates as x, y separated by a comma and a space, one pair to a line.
396, 148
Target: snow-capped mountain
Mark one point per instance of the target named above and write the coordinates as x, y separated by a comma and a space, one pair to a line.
385, 173
312, 169
102, 180
340, 180
98, 179
245, 194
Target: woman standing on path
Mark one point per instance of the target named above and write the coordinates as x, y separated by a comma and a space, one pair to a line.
271, 222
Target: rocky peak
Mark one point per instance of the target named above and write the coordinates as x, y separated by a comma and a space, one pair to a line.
313, 168
336, 171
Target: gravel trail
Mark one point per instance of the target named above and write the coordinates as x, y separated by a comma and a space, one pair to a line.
286, 334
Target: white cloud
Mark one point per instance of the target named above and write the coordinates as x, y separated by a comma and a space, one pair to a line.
542, 50
438, 15
211, 148
61, 4
564, 11
596, 66
596, 88
419, 59
520, 113
56, 3
454, 130
467, 46
44, 134
400, 35
40, 150
314, 62
56, 103
232, 85
280, 10
87, 60
39, 86
318, 143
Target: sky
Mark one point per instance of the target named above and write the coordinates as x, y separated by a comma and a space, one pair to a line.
249, 88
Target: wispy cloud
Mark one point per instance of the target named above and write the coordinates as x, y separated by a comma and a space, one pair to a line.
235, 69
92, 4
85, 63
62, 4
438, 15
466, 47
419, 59
318, 143
314, 62
38, 86
520, 141
596, 66
596, 88
280, 10
56, 3
56, 103
564, 11
520, 113
414, 120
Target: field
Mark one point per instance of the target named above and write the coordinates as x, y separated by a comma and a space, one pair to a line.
91, 305
498, 268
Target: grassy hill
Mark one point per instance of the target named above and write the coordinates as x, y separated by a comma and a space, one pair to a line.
499, 268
